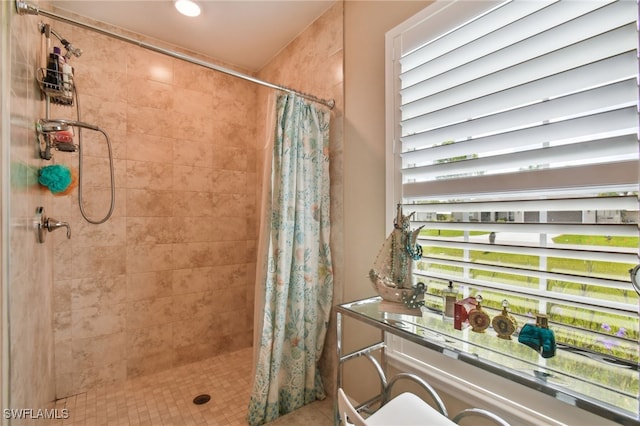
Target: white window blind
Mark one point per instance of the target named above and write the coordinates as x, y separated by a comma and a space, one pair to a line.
516, 144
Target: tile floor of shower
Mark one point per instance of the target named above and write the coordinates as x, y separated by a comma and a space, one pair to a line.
166, 398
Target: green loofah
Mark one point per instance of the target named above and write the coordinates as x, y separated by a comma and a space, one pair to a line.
57, 177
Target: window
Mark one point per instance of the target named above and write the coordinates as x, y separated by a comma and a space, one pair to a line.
513, 135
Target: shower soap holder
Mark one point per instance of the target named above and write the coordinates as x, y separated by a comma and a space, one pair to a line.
46, 223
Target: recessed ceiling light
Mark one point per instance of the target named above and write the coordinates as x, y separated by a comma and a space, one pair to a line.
187, 7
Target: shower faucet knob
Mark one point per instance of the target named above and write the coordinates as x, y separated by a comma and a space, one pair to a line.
53, 224
43, 222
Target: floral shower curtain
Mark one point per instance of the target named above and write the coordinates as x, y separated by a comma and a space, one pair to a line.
297, 284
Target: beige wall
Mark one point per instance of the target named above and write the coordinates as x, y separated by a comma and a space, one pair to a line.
366, 23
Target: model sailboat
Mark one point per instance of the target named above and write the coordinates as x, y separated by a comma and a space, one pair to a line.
392, 272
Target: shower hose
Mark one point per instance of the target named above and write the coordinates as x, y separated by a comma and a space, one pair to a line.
80, 174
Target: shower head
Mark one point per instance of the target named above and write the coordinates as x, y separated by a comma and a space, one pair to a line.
71, 51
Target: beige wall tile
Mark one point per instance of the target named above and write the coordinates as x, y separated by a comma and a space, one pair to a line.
229, 323
95, 171
90, 262
62, 295
97, 321
192, 255
94, 82
149, 65
199, 329
98, 351
64, 384
191, 203
195, 78
193, 280
149, 202
188, 178
108, 114
147, 285
193, 152
229, 205
229, 182
149, 312
64, 357
187, 125
149, 175
91, 378
191, 305
194, 229
95, 50
231, 228
62, 326
147, 258
230, 299
148, 93
231, 253
141, 147
201, 350
229, 132
196, 101
209, 278
98, 292
148, 364
86, 234
150, 230
149, 121
230, 158
149, 341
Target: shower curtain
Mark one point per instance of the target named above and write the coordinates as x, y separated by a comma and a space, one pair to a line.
297, 282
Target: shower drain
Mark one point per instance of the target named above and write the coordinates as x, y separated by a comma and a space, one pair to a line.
201, 399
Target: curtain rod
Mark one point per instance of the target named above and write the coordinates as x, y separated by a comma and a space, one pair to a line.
25, 8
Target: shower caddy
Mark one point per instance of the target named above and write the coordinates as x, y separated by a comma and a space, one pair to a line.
56, 81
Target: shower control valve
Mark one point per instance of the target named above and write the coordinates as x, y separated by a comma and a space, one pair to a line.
43, 222
53, 224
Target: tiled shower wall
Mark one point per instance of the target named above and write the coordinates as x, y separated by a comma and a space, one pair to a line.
168, 279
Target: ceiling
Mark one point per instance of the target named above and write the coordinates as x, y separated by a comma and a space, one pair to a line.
244, 33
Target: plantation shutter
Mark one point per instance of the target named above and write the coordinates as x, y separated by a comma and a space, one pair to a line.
518, 140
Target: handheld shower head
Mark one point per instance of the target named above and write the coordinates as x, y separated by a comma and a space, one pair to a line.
51, 126
51, 138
